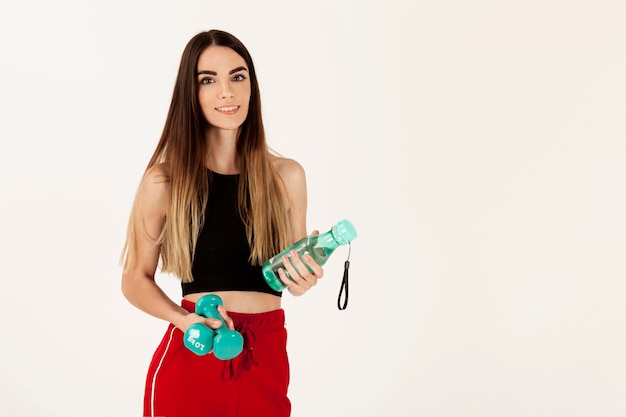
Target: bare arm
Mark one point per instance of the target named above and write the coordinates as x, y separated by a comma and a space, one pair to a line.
294, 178
138, 284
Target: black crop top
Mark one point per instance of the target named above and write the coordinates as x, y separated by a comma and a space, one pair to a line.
221, 258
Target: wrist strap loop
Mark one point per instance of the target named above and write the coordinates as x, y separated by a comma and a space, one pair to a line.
344, 283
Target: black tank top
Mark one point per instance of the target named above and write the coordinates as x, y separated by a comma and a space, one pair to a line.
221, 258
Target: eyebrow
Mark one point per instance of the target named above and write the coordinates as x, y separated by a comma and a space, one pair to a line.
231, 72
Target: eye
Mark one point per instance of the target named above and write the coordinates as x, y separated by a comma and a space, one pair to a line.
239, 77
207, 80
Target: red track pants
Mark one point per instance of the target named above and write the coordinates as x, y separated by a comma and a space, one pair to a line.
254, 384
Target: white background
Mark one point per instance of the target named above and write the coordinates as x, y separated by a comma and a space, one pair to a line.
479, 147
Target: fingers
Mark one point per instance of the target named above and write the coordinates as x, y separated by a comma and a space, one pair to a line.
229, 322
212, 323
217, 323
304, 273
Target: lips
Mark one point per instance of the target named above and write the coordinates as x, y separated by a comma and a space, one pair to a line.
227, 109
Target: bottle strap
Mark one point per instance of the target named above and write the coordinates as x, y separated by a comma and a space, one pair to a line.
344, 283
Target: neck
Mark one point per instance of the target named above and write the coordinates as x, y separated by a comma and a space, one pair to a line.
222, 154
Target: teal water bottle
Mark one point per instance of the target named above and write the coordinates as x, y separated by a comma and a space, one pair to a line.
320, 247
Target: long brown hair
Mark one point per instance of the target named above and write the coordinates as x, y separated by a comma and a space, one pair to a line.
183, 147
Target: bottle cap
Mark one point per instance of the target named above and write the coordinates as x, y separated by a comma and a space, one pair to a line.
344, 232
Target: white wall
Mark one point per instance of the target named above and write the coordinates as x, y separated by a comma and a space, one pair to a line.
479, 148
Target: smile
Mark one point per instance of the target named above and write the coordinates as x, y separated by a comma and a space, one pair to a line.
227, 109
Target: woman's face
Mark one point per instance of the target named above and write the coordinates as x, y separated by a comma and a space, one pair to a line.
224, 87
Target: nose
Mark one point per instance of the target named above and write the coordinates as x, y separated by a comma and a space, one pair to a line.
226, 91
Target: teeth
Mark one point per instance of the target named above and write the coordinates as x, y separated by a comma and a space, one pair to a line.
227, 108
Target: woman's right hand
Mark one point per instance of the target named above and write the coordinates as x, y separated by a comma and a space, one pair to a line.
190, 318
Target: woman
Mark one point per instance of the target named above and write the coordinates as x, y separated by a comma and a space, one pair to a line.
212, 206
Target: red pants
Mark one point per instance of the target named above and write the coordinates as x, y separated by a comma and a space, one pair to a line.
254, 384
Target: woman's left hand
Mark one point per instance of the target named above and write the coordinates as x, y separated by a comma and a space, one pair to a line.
302, 279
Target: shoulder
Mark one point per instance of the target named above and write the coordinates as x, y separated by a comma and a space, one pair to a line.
157, 174
289, 170
154, 190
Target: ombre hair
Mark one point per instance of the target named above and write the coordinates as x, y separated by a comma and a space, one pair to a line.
183, 148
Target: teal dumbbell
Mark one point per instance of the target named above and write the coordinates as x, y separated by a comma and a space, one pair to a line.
201, 339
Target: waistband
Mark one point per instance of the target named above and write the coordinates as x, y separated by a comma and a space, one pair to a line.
261, 322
